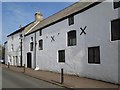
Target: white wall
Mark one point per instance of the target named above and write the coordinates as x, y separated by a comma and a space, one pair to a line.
16, 43
27, 41
6, 49
98, 22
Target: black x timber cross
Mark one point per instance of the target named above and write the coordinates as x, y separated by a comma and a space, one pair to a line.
52, 38
83, 30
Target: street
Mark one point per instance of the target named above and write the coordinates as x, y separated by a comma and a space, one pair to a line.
11, 79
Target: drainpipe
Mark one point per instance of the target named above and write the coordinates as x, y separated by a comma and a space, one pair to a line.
35, 51
21, 51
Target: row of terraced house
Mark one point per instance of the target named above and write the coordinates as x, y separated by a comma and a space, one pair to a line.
83, 39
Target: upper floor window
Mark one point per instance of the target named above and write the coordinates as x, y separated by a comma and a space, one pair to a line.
31, 39
31, 46
116, 4
71, 20
72, 38
12, 47
12, 37
41, 44
115, 30
94, 55
20, 35
40, 32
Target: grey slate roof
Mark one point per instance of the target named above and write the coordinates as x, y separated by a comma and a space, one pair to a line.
20, 30
76, 7
63, 14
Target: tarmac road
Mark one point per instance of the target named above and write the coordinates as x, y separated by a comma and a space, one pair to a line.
11, 79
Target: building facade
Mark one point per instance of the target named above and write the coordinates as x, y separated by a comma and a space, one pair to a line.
0, 52
5, 53
15, 42
83, 39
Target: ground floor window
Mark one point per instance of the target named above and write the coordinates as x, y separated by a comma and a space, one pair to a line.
61, 56
116, 4
94, 55
115, 30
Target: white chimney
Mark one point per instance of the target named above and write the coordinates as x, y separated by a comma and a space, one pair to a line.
38, 16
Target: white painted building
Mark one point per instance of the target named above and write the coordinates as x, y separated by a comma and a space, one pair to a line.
82, 39
15, 42
6, 57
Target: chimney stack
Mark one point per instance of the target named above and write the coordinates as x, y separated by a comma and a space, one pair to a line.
38, 16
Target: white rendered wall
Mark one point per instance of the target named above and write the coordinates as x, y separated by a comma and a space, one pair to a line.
119, 49
6, 49
16, 43
98, 33
27, 41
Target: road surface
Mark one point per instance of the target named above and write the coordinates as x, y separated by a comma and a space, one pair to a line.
11, 79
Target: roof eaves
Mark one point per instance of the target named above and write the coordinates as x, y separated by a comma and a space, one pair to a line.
81, 10
19, 30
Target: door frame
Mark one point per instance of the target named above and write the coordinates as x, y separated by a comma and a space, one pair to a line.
29, 60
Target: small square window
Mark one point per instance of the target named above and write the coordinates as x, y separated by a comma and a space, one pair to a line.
40, 44
94, 55
20, 35
40, 32
71, 20
31, 38
61, 56
116, 4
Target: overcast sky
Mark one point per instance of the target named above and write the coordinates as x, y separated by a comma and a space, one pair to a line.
15, 14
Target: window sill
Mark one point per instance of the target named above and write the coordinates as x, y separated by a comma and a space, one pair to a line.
115, 40
72, 46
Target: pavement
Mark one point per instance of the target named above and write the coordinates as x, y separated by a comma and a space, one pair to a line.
70, 81
13, 79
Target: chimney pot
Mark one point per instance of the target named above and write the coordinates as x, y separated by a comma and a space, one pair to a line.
38, 16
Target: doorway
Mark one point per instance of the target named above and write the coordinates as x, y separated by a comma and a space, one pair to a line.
29, 60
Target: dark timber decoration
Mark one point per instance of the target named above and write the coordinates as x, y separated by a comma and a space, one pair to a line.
52, 38
83, 30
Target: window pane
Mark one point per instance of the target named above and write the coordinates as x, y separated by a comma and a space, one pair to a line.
72, 38
116, 5
31, 38
40, 44
40, 32
90, 55
74, 41
31, 46
115, 30
71, 20
61, 56
97, 55
94, 55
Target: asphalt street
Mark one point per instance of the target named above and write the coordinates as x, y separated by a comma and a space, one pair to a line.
11, 79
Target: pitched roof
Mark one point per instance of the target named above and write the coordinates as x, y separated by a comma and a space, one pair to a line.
32, 25
26, 28
63, 14
19, 30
